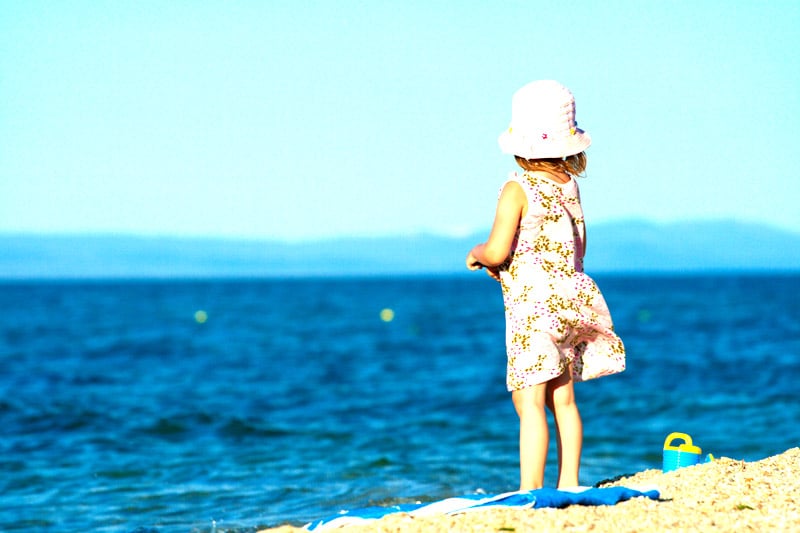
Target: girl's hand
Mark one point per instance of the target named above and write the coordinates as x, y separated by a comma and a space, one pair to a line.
472, 262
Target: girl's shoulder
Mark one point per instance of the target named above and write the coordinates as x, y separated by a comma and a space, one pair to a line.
514, 177
528, 180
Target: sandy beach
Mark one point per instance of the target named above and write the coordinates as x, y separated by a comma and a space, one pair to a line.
725, 495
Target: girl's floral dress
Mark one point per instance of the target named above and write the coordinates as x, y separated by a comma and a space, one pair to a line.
555, 314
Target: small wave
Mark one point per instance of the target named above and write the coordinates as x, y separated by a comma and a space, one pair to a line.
238, 428
31, 524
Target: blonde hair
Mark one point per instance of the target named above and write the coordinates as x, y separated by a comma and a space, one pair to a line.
574, 165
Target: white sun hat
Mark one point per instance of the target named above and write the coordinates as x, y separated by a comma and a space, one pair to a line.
543, 123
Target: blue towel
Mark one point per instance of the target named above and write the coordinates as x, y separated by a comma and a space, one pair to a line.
535, 499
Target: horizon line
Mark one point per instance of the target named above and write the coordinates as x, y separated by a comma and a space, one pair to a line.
429, 232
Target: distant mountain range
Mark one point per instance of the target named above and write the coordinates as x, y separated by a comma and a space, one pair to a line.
631, 246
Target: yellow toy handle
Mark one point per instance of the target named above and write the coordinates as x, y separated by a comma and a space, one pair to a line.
687, 447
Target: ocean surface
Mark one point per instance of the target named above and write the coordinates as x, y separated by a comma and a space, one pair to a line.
200, 406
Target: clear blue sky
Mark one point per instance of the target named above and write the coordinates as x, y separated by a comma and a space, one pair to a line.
306, 120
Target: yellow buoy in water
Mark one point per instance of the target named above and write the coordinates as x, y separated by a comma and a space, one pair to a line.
200, 316
387, 315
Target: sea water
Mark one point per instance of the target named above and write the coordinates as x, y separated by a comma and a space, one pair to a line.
167, 406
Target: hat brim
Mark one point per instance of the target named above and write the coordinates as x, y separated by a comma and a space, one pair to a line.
536, 148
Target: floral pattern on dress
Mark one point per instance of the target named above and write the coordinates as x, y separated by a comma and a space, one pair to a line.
555, 313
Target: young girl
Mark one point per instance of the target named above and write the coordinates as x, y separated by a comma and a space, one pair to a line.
558, 328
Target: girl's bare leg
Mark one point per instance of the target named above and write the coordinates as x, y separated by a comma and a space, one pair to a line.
569, 428
533, 435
